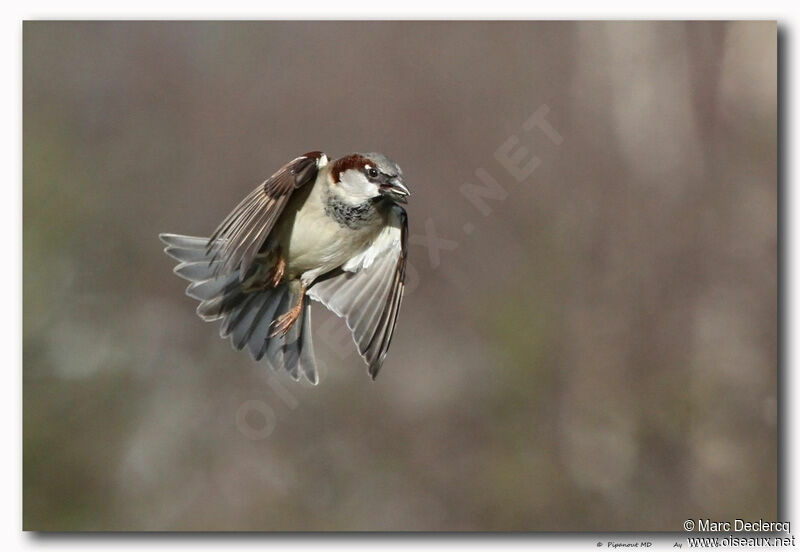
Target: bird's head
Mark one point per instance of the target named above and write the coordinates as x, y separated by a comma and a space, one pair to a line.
360, 177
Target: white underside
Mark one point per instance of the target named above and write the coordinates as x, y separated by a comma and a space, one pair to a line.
313, 243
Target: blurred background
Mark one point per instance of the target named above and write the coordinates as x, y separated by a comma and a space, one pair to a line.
589, 342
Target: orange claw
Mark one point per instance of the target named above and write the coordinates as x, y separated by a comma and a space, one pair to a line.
282, 324
277, 271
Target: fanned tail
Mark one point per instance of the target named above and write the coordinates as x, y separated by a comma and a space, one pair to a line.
246, 316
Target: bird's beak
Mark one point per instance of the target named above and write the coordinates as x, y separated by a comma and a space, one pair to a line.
396, 190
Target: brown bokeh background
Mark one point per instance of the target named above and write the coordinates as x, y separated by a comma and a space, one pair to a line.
595, 348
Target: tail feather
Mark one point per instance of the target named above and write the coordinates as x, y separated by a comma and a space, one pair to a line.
234, 315
273, 346
206, 290
245, 321
307, 362
195, 271
247, 316
299, 349
291, 350
293, 347
261, 328
184, 248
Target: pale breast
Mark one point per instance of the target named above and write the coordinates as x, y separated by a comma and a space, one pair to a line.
318, 240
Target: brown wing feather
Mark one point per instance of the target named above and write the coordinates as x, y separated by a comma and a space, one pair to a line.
238, 239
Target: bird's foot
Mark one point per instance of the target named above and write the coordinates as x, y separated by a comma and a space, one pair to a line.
277, 271
282, 324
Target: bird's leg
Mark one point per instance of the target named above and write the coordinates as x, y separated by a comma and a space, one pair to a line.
284, 322
278, 270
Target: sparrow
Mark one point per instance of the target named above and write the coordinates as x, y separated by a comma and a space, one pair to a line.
334, 232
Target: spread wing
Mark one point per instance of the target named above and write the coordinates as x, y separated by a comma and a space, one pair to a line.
368, 289
238, 239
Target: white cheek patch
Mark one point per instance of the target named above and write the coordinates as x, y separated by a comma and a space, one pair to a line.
356, 187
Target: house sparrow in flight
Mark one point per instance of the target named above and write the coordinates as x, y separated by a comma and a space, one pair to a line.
332, 231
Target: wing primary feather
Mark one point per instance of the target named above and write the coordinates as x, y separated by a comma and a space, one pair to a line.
376, 305
215, 243
238, 239
361, 305
388, 331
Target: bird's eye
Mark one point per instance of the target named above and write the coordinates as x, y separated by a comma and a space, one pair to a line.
373, 173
